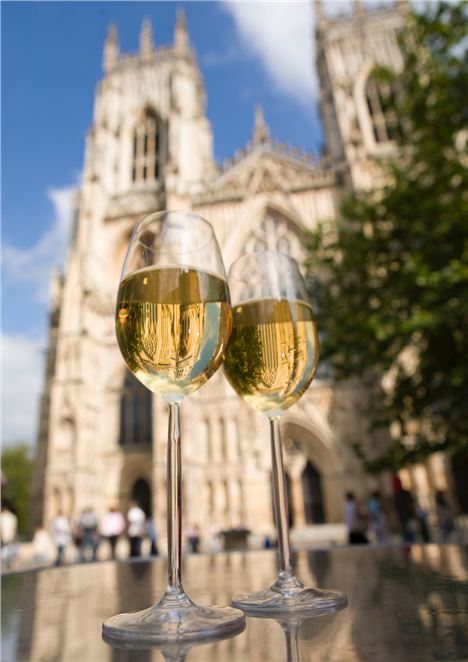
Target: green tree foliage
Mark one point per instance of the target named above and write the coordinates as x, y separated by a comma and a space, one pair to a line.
17, 468
392, 298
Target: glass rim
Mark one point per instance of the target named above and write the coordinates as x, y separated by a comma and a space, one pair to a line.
146, 218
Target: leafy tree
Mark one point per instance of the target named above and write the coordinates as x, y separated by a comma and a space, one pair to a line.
392, 299
17, 468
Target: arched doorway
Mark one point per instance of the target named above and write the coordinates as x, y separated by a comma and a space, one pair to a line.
313, 498
141, 493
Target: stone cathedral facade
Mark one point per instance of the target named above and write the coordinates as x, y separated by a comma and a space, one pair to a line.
102, 437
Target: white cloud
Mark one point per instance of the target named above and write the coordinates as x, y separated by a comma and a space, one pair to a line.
281, 35
22, 372
23, 355
34, 265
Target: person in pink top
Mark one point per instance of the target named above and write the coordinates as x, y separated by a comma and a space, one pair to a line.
112, 526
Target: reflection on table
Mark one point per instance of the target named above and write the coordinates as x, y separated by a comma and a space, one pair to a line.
408, 604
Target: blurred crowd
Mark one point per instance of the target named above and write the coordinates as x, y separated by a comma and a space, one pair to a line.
79, 539
87, 535
375, 519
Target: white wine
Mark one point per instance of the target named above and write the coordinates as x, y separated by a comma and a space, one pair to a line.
273, 353
173, 325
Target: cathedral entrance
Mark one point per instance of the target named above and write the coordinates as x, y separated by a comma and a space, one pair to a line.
313, 498
141, 493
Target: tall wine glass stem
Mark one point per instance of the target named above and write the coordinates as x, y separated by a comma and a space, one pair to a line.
174, 591
286, 578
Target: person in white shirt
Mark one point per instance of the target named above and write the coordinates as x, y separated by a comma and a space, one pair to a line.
136, 520
112, 526
8, 531
355, 521
41, 544
61, 533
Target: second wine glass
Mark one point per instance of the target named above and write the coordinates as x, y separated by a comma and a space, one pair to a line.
271, 360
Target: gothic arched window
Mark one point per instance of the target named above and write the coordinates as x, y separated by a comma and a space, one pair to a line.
380, 99
275, 234
146, 149
135, 414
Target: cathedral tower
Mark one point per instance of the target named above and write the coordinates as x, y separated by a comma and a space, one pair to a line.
149, 148
358, 128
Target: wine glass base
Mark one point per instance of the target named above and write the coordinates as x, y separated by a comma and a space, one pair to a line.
307, 601
173, 623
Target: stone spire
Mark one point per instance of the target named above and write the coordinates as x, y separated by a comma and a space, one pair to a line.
146, 38
181, 40
403, 6
261, 132
358, 8
111, 49
319, 13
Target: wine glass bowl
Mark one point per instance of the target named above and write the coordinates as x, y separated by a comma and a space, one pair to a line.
173, 322
173, 317
271, 360
274, 347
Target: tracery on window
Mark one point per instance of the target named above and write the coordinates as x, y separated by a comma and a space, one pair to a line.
135, 414
275, 234
381, 104
146, 164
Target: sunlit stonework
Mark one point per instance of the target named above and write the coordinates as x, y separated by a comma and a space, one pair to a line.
102, 438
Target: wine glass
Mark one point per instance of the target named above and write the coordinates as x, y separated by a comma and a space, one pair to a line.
271, 359
173, 322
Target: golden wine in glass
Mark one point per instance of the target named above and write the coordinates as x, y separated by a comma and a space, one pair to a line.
271, 360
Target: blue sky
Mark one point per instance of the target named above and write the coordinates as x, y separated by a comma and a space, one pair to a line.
249, 53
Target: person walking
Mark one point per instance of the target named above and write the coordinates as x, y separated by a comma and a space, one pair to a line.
153, 536
61, 534
89, 529
112, 527
377, 519
445, 517
41, 544
406, 511
355, 521
136, 520
8, 531
193, 538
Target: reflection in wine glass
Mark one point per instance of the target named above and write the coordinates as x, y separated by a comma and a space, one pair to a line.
173, 322
313, 628
175, 651
271, 360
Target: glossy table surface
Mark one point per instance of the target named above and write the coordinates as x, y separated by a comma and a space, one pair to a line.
405, 604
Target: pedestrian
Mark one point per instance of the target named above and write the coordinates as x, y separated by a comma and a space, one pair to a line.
8, 531
77, 537
355, 521
377, 519
61, 534
445, 518
136, 520
89, 529
112, 527
153, 536
193, 538
41, 544
423, 520
406, 511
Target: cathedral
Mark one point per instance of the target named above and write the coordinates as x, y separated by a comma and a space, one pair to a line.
102, 436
